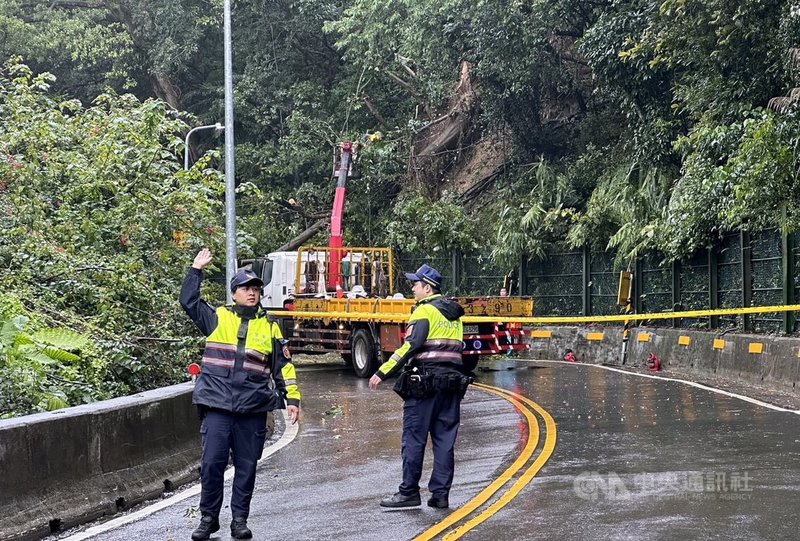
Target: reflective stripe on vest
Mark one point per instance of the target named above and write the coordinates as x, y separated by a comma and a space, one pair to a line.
221, 345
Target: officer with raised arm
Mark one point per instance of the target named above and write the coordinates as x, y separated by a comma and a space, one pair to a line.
246, 373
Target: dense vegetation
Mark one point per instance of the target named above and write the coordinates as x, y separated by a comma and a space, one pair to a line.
517, 126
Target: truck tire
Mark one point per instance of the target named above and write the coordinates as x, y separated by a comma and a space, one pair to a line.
364, 355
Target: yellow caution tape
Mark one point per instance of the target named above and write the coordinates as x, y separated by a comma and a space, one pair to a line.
548, 320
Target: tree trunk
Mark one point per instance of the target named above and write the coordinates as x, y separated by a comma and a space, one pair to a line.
438, 145
166, 91
300, 239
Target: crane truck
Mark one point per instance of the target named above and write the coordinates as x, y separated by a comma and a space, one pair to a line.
345, 299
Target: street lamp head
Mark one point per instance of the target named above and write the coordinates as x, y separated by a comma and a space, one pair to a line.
218, 128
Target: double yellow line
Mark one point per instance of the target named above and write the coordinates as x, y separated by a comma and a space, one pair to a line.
527, 407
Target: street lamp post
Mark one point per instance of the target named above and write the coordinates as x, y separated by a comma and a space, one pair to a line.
218, 127
230, 184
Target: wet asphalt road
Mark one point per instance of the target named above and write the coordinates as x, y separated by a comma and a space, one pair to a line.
646, 459
635, 459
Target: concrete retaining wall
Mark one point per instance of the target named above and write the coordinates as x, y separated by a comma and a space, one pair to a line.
71, 466
777, 367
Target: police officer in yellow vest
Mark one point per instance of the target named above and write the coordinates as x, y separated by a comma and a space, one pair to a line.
241, 380
432, 382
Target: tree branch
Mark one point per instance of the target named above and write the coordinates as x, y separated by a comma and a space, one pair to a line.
291, 205
74, 4
154, 339
404, 62
374, 111
402, 82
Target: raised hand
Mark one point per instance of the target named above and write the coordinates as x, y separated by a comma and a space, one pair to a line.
202, 259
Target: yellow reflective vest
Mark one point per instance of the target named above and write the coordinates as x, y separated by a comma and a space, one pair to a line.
239, 372
440, 347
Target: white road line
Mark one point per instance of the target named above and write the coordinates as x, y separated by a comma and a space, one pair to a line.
685, 382
286, 438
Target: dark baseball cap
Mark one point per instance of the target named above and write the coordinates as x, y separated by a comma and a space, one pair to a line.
426, 274
245, 277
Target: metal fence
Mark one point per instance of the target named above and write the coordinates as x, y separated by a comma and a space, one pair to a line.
744, 269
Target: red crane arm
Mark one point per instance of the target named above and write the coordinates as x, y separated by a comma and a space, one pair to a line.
337, 215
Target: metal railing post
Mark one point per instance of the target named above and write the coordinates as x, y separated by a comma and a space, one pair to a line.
587, 277
747, 278
713, 286
676, 290
787, 249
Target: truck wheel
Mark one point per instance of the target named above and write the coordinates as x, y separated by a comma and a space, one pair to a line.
365, 361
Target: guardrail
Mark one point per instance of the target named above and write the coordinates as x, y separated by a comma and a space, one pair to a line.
67, 467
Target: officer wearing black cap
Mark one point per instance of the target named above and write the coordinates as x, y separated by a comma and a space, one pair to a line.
432, 383
246, 372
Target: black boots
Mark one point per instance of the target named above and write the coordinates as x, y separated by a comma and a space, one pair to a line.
208, 525
439, 501
239, 529
399, 500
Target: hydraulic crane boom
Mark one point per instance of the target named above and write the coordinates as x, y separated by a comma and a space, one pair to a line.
337, 215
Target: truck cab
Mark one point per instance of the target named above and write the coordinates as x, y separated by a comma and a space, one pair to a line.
302, 274
277, 271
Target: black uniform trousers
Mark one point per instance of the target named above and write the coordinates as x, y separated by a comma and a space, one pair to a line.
225, 433
438, 416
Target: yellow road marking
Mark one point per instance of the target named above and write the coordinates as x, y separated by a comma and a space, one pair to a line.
525, 478
484, 496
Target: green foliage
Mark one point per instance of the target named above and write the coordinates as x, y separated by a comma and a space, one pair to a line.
368, 217
735, 176
83, 48
99, 223
533, 214
46, 369
425, 226
706, 44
